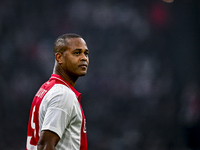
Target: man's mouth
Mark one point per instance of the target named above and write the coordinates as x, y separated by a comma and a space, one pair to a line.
83, 65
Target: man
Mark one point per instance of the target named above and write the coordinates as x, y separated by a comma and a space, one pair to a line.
56, 120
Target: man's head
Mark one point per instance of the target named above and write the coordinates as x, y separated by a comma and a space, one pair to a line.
61, 42
71, 54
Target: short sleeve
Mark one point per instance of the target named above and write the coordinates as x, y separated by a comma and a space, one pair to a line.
59, 103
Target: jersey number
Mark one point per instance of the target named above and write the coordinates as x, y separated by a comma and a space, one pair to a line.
28, 144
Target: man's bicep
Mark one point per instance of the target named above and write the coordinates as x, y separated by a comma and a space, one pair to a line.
48, 140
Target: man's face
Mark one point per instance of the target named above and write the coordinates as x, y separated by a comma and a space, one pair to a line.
75, 59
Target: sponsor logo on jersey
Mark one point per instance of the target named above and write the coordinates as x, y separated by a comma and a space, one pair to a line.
41, 93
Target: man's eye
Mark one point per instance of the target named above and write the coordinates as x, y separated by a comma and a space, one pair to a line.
86, 54
77, 53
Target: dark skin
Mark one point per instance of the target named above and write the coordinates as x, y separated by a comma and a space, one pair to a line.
48, 140
70, 65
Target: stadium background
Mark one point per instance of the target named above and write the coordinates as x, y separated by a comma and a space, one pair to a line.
142, 88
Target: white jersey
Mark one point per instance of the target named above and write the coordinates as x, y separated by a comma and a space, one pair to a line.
56, 108
60, 112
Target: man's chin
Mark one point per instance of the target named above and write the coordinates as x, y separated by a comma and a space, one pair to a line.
82, 74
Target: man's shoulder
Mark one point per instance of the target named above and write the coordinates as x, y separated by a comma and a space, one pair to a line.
60, 90
59, 96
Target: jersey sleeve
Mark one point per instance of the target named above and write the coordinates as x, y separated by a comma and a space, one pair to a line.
59, 109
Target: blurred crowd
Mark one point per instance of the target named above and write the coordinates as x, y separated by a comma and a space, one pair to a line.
142, 88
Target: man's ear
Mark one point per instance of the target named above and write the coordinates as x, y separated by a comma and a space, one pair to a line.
58, 57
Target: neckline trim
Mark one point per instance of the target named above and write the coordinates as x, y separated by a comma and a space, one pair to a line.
58, 77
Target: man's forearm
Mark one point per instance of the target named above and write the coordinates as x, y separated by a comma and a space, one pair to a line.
48, 140
45, 147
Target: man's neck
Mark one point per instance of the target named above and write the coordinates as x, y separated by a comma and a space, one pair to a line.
59, 71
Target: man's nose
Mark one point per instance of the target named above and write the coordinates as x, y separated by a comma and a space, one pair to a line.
84, 57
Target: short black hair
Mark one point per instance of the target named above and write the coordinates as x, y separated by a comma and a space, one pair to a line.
61, 44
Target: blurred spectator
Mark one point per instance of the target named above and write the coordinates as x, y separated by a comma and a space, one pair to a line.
191, 114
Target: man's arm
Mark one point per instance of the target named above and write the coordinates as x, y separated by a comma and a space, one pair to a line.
48, 140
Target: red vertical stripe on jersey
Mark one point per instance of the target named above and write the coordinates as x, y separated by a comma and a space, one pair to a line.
33, 125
